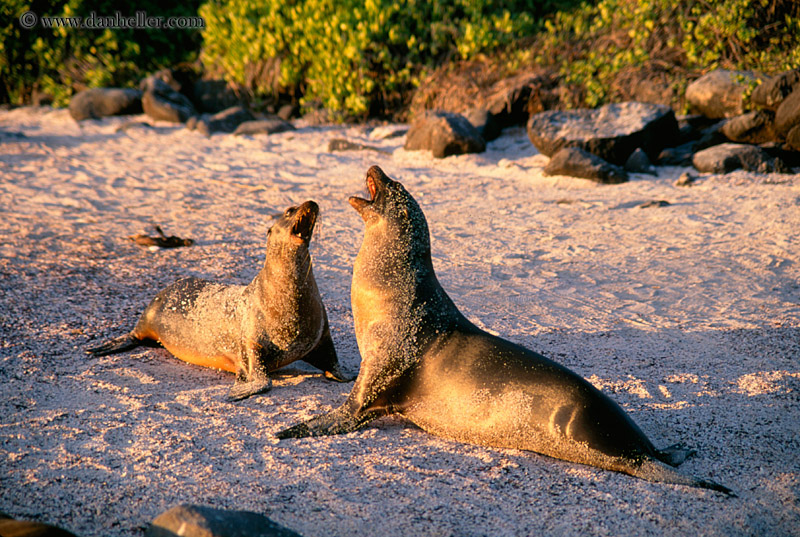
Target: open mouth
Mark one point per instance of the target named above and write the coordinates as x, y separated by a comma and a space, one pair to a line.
304, 221
372, 189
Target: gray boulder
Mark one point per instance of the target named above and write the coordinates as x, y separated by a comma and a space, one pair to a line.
751, 128
611, 132
200, 521
577, 162
270, 125
725, 158
163, 103
771, 92
485, 122
788, 113
101, 102
445, 134
720, 93
225, 121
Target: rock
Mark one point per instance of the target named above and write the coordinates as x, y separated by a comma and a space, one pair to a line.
611, 132
771, 92
485, 122
677, 156
577, 162
638, 162
445, 134
340, 144
163, 103
225, 121
692, 126
720, 93
271, 125
793, 138
788, 113
101, 102
288, 111
653, 203
214, 95
384, 132
686, 179
200, 521
784, 152
725, 158
10, 527
750, 128
511, 100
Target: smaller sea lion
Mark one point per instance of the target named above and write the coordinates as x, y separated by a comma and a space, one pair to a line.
248, 330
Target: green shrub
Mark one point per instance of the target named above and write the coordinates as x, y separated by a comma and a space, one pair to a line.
60, 61
354, 58
596, 42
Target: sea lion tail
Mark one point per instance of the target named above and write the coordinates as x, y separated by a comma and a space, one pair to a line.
654, 470
119, 344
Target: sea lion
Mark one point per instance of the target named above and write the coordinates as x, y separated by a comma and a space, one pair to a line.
421, 358
248, 330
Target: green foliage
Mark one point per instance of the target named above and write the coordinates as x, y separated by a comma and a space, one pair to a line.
351, 57
596, 42
62, 60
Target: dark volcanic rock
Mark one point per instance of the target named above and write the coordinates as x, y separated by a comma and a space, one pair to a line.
101, 102
272, 125
638, 162
511, 100
611, 132
161, 102
725, 158
770, 93
750, 128
576, 162
225, 121
677, 156
788, 113
720, 93
485, 122
200, 521
793, 138
341, 144
213, 95
445, 134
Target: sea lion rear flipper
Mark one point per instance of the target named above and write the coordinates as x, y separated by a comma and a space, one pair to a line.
119, 344
244, 389
339, 421
323, 357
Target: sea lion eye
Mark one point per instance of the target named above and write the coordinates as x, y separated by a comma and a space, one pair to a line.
289, 212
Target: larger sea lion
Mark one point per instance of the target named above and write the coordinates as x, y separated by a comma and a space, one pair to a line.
248, 330
420, 357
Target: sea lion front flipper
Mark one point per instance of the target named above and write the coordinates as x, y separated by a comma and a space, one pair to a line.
324, 358
339, 421
244, 389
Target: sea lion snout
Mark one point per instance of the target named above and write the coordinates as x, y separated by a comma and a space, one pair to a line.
376, 182
305, 217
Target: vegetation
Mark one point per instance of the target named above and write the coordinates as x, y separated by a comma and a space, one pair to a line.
353, 57
365, 58
597, 42
59, 61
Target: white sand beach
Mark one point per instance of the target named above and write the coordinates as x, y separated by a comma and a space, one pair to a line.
687, 315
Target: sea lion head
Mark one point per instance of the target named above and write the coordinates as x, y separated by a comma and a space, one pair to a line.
392, 216
293, 229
